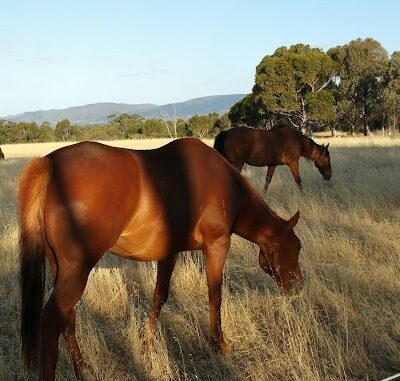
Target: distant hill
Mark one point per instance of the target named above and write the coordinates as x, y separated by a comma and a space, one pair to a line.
98, 112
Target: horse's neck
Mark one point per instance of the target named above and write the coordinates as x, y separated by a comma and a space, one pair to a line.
256, 219
310, 148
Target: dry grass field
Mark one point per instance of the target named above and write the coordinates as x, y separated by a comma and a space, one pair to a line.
344, 325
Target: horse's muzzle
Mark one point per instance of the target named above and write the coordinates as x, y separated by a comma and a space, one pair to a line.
327, 177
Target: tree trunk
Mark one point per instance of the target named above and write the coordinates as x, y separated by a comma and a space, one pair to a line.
303, 126
166, 125
366, 127
303, 118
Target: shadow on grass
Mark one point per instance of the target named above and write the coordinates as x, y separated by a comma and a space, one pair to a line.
189, 356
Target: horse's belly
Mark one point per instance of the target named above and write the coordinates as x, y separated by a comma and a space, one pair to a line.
260, 160
145, 243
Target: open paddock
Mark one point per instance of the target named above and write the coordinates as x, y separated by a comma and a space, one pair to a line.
344, 325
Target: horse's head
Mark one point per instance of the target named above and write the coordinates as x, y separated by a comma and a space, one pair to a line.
323, 162
279, 256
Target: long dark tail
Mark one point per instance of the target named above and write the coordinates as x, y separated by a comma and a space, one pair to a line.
219, 142
32, 191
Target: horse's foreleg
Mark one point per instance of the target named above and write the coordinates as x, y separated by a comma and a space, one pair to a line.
160, 296
270, 173
294, 168
215, 254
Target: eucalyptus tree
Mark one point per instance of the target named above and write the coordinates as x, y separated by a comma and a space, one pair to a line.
295, 83
202, 126
63, 130
391, 92
250, 111
360, 81
125, 126
222, 123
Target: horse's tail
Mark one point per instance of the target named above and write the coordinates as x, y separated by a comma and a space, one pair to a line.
219, 142
31, 196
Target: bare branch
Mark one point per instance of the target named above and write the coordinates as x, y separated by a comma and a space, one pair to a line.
293, 123
324, 85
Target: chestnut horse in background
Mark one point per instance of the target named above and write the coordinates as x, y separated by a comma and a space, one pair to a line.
80, 201
277, 146
1, 154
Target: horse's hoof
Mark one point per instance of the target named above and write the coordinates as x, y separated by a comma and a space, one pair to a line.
148, 342
224, 348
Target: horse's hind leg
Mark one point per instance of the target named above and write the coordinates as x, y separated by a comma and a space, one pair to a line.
160, 296
270, 173
69, 330
58, 317
51, 327
73, 346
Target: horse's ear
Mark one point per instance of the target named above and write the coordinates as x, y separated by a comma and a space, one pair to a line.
327, 146
293, 221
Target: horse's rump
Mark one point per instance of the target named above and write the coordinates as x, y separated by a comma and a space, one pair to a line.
219, 142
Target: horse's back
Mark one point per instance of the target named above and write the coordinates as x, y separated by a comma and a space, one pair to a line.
192, 179
258, 147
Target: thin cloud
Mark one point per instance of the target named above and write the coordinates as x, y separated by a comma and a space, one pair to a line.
143, 73
50, 59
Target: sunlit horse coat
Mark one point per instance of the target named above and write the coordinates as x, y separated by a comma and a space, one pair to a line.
81, 200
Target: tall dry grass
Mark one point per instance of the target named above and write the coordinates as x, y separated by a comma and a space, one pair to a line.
343, 326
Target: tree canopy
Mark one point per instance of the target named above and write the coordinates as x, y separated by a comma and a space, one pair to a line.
391, 92
361, 66
351, 87
291, 83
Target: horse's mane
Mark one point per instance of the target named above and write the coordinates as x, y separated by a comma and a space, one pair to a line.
246, 189
315, 146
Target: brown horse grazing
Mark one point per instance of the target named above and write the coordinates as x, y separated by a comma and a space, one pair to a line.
79, 201
277, 146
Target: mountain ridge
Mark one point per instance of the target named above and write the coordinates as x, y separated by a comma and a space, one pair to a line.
93, 113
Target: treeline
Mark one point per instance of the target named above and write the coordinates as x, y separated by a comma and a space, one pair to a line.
354, 87
123, 126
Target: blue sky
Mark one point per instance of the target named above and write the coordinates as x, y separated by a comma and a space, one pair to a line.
56, 54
